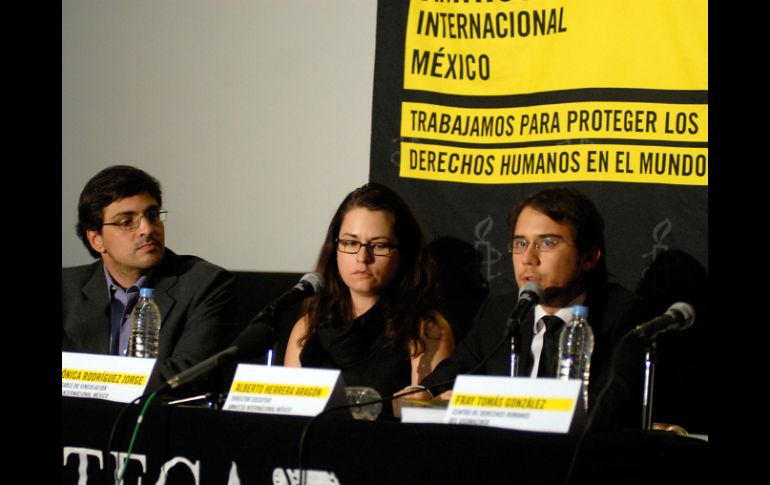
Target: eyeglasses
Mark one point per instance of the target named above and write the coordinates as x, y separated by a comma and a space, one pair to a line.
351, 246
129, 222
542, 245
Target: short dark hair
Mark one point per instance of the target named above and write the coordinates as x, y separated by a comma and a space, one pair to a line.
111, 184
409, 299
570, 206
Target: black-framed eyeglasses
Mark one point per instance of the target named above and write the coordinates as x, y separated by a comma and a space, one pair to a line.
542, 245
351, 246
129, 222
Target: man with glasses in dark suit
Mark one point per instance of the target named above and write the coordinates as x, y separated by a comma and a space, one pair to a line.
120, 222
557, 241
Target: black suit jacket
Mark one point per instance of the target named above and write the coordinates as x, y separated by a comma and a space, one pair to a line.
196, 301
613, 310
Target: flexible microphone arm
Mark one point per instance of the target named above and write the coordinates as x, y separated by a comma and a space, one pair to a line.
309, 284
202, 368
256, 337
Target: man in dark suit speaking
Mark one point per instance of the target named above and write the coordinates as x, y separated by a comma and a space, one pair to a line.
120, 221
558, 242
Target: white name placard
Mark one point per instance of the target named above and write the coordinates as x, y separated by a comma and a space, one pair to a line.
98, 376
519, 403
284, 390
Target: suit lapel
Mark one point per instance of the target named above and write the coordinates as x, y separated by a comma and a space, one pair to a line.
96, 310
526, 359
596, 301
164, 280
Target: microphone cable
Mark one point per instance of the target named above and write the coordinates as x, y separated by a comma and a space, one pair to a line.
504, 341
119, 476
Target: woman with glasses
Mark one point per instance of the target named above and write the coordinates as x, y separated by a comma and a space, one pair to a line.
375, 318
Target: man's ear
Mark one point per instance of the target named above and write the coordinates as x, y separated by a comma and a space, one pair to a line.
95, 240
590, 258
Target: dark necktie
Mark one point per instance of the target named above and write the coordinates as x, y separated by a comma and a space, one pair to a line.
548, 356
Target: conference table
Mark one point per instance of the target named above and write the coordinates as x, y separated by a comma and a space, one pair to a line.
179, 444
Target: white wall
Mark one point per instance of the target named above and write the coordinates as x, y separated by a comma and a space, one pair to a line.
255, 115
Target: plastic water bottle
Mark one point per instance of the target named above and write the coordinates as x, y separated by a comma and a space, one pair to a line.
576, 344
145, 326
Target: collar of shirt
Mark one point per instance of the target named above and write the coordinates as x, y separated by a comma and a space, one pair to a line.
122, 301
114, 288
565, 313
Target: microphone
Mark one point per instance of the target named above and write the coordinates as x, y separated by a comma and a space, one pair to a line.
256, 338
679, 316
309, 284
529, 296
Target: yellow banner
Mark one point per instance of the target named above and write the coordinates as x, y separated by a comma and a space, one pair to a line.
497, 47
107, 377
280, 389
512, 402
556, 163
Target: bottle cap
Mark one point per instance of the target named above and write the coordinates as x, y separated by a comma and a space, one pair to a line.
146, 292
579, 311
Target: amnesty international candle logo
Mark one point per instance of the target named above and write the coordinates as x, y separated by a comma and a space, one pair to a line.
659, 232
480, 106
489, 253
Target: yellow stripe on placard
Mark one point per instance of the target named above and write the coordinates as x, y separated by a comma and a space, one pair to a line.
293, 390
556, 163
512, 402
579, 120
498, 47
106, 377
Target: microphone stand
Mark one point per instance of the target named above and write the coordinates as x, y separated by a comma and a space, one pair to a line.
514, 358
650, 357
